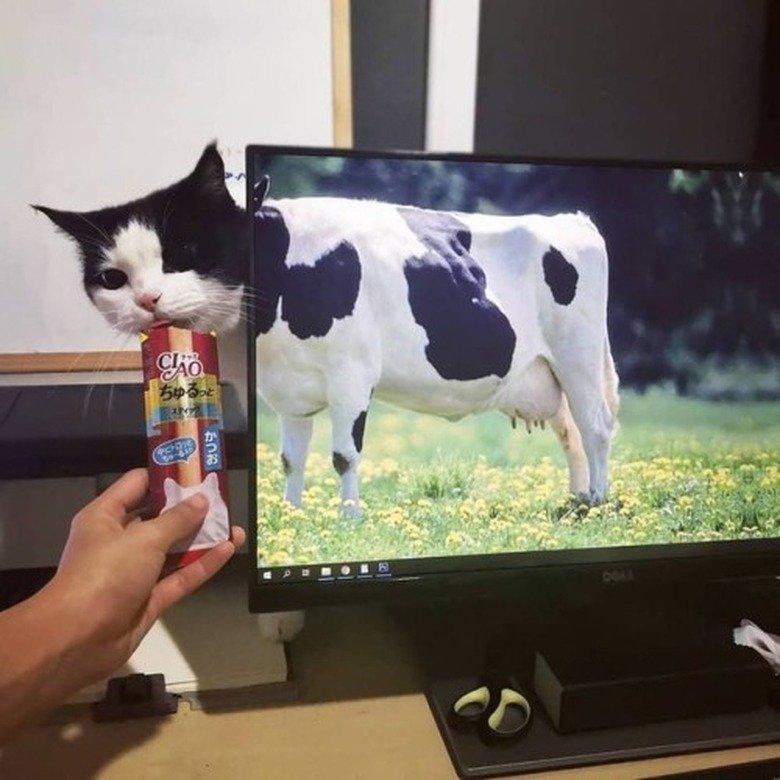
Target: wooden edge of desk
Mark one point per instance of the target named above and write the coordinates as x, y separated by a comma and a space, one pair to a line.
69, 362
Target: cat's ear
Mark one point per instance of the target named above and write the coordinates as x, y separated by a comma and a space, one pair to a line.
212, 480
72, 223
171, 489
209, 175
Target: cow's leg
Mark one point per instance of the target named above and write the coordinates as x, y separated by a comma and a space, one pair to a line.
569, 435
596, 423
348, 428
583, 383
296, 437
348, 410
603, 423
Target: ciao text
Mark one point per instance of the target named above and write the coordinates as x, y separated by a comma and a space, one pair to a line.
179, 365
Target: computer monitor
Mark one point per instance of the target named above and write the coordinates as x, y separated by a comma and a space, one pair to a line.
435, 373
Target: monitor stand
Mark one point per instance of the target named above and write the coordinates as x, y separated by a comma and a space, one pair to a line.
457, 641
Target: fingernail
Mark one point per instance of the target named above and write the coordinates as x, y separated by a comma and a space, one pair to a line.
198, 502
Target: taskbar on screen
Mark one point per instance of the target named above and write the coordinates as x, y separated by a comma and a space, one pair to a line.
326, 572
396, 569
617, 560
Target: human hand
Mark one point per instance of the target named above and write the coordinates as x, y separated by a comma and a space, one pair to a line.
109, 571
105, 596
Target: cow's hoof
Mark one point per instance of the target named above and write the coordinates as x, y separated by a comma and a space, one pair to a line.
574, 508
351, 510
589, 498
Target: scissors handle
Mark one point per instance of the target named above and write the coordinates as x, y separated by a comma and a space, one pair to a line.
510, 718
496, 709
470, 707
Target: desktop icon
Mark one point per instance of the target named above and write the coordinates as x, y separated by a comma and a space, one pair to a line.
326, 571
345, 570
364, 568
305, 572
383, 567
267, 575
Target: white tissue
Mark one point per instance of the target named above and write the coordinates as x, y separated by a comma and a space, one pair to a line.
748, 634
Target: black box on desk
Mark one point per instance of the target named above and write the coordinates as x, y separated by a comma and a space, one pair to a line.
606, 682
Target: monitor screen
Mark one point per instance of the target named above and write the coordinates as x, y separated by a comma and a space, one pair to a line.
471, 366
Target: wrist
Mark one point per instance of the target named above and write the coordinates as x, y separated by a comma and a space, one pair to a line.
63, 633
74, 633
38, 660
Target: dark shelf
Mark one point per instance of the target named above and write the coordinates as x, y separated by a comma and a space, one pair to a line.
85, 430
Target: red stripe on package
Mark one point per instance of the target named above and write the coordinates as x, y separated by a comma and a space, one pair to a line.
185, 430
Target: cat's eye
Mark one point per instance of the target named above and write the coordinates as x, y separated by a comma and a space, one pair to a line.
191, 250
112, 279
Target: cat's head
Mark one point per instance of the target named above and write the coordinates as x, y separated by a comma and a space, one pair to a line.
179, 254
174, 492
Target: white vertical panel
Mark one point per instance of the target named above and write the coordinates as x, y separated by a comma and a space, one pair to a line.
102, 102
452, 75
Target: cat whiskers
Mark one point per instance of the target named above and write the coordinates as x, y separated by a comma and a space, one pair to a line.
228, 310
247, 295
91, 241
103, 368
259, 298
72, 370
96, 228
112, 386
166, 215
122, 321
224, 302
255, 299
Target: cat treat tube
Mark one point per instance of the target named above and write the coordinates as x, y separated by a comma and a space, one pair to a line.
185, 430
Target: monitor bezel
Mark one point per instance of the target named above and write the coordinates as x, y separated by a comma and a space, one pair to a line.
506, 573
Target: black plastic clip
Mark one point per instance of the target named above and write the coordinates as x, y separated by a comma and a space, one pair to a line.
135, 696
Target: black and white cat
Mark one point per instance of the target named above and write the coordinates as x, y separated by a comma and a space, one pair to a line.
180, 254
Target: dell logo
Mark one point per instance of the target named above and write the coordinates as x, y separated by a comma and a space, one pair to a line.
610, 576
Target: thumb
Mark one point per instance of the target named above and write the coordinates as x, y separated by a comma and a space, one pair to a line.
182, 520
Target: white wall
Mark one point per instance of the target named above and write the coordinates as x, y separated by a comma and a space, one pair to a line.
104, 101
453, 43
101, 102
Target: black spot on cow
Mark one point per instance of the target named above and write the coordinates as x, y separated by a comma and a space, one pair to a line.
271, 243
560, 275
438, 230
286, 465
341, 463
312, 296
358, 431
469, 337
315, 296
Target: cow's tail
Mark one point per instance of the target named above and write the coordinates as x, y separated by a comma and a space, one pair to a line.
611, 383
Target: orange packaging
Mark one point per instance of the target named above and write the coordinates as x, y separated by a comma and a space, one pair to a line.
185, 430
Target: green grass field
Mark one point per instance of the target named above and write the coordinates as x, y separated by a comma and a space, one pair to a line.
681, 470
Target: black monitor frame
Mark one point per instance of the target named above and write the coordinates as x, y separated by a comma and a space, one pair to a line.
497, 575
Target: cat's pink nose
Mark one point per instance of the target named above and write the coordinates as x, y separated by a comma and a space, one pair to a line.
148, 301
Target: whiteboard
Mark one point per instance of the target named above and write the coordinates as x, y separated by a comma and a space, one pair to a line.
105, 102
